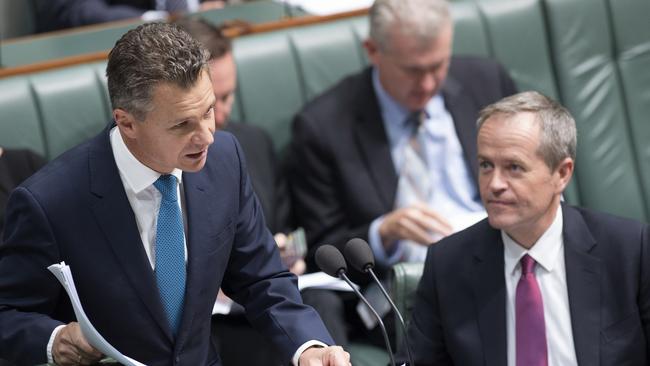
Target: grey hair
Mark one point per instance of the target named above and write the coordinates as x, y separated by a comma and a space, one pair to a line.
558, 128
146, 56
421, 19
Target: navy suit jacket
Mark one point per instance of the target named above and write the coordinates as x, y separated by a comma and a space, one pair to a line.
460, 308
342, 174
59, 14
76, 210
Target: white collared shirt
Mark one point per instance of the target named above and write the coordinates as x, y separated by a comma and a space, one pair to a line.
550, 272
138, 180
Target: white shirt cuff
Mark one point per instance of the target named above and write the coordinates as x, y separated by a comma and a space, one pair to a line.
50, 343
381, 256
296, 356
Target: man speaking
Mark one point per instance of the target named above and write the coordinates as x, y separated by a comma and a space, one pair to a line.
153, 215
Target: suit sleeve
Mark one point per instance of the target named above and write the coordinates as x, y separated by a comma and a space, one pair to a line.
256, 279
425, 330
59, 14
314, 183
29, 293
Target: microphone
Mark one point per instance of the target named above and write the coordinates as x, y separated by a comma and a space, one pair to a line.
358, 253
331, 261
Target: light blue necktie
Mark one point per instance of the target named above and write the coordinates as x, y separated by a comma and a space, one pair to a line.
414, 183
170, 251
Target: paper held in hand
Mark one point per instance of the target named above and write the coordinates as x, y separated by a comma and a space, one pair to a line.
62, 272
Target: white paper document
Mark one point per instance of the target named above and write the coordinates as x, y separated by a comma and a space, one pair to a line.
322, 280
63, 274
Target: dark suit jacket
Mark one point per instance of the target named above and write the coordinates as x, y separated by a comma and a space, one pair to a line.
59, 14
75, 210
269, 183
460, 308
342, 174
16, 165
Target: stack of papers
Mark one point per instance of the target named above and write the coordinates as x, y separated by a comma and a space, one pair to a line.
63, 274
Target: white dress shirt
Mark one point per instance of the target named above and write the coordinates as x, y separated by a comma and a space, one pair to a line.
550, 272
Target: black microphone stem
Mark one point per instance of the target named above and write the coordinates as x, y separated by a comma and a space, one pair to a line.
399, 316
381, 323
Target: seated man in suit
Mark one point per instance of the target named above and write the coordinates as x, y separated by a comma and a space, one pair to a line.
152, 217
389, 154
59, 14
539, 282
16, 165
232, 331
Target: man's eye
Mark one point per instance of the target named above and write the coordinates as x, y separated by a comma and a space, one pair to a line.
484, 165
208, 114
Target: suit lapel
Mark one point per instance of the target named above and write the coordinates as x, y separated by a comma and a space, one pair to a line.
117, 221
583, 285
462, 111
490, 293
372, 142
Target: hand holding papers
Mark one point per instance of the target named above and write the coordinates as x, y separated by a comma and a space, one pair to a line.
62, 272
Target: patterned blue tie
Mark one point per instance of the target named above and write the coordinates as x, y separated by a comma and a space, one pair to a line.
170, 251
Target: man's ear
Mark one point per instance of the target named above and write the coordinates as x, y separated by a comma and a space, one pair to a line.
125, 122
564, 172
372, 50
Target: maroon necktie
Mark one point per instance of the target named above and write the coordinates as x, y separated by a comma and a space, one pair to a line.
531, 332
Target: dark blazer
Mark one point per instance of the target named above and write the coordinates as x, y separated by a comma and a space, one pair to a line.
342, 174
460, 308
16, 165
59, 14
75, 210
269, 183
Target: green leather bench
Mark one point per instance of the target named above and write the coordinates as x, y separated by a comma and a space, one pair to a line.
592, 55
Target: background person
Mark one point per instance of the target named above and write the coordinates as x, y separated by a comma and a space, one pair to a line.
353, 149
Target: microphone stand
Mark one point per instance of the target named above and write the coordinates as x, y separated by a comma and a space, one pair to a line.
344, 277
369, 270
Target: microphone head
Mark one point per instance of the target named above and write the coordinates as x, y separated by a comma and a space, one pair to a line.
359, 254
330, 260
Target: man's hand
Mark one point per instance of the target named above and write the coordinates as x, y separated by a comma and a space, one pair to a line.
324, 356
71, 348
417, 222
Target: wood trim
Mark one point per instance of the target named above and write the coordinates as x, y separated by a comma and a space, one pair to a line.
233, 30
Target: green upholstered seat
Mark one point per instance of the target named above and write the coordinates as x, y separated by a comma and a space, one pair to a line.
20, 120
252, 12
16, 18
590, 87
404, 282
469, 31
324, 54
72, 106
52, 47
631, 29
269, 83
